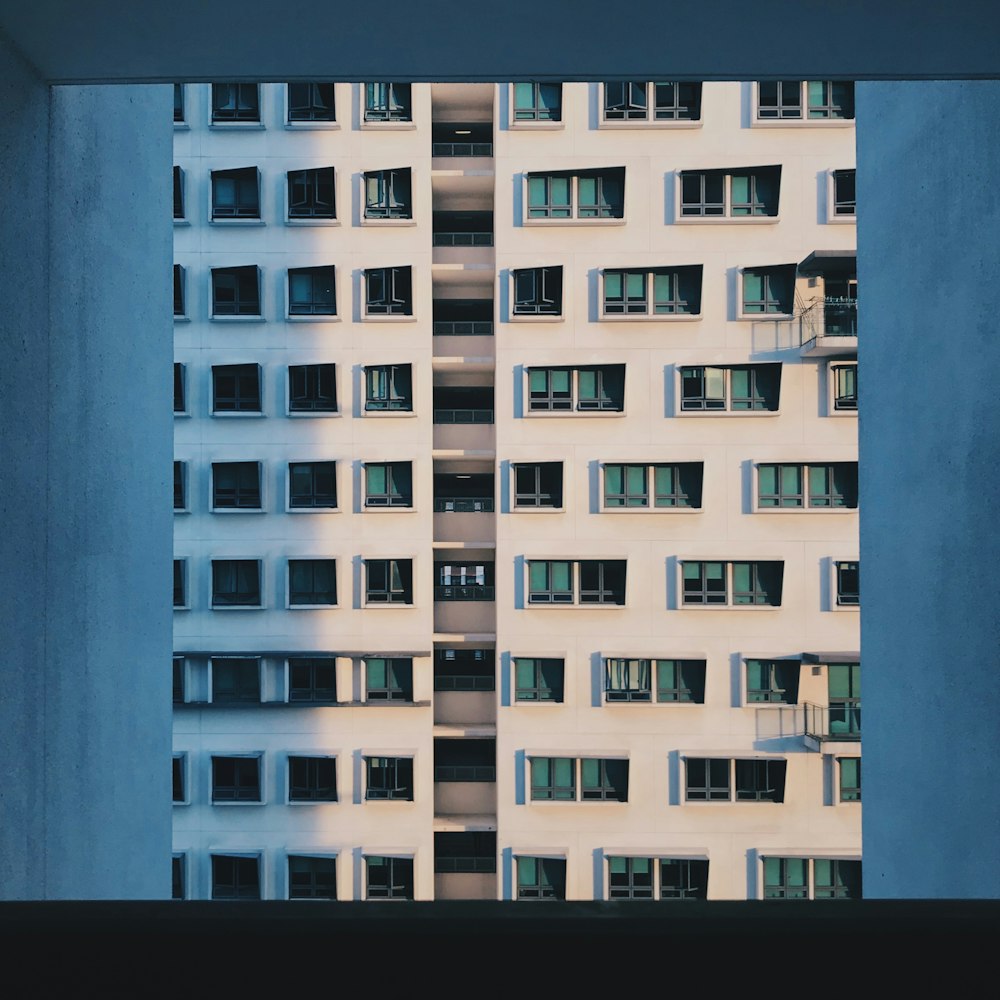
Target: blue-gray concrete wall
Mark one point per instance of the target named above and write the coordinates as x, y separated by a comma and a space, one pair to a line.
929, 411
85, 515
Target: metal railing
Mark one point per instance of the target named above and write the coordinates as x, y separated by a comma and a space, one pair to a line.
463, 328
463, 239
462, 149
444, 866
463, 505
463, 416
464, 682
465, 592
829, 317
838, 722
465, 772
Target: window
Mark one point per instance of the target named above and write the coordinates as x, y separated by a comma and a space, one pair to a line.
178, 102
235, 680
845, 387
537, 102
312, 388
586, 581
179, 791
180, 598
312, 582
712, 779
636, 101
464, 670
235, 103
389, 878
389, 778
236, 291
732, 584
680, 681
388, 194
178, 193
387, 102
627, 680
465, 581
823, 100
848, 581
538, 484
658, 291
236, 779
236, 583
657, 878
541, 878
312, 485
312, 878
768, 290
598, 778
312, 779
849, 778
844, 197
844, 687
311, 194
179, 402
388, 291
736, 193
236, 486
236, 389
630, 878
310, 102
389, 387
628, 486
178, 692
730, 387
459, 760
600, 388
312, 292
811, 878
807, 486
773, 681
388, 484
683, 878
538, 291
584, 194
179, 309
236, 193
465, 852
389, 678
235, 876
177, 868
538, 678
312, 680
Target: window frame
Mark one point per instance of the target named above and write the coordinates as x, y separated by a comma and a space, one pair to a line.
536, 310
312, 122
180, 199
406, 883
730, 793
767, 271
311, 178
848, 791
181, 487
808, 500
388, 692
180, 294
386, 500
242, 606
313, 310
807, 890
180, 388
235, 122
316, 508
538, 493
179, 875
783, 679
648, 119
239, 800
728, 398
405, 300
238, 315
404, 121
240, 215
729, 593
802, 119
849, 406
843, 596
331, 858
180, 105
181, 565
311, 664
555, 788
680, 472
558, 121
319, 385
727, 214
833, 215
689, 887
391, 768
252, 694
575, 399
181, 773
573, 597
538, 665
575, 207
648, 313
255, 856
314, 788
260, 507
393, 567
389, 374
238, 372
389, 180
291, 604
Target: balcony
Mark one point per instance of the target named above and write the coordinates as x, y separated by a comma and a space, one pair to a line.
464, 686
464, 776
463, 318
463, 238
834, 728
462, 139
465, 864
463, 417
464, 592
829, 326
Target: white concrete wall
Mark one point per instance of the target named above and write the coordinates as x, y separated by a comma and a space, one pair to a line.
85, 448
929, 419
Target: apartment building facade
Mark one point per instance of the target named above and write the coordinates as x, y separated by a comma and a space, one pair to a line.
515, 489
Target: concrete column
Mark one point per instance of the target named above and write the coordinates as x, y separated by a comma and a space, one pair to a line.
85, 453
928, 267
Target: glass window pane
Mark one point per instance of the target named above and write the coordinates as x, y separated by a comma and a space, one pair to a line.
559, 190
560, 381
561, 577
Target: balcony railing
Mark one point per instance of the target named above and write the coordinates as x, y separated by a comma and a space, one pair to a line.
463, 328
839, 722
829, 317
464, 682
444, 866
463, 239
465, 772
465, 592
463, 505
463, 416
462, 149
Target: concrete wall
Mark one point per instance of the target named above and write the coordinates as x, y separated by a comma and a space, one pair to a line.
929, 416
85, 449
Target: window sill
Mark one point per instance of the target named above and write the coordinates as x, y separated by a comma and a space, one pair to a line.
727, 413
223, 802
388, 126
574, 606
301, 414
389, 605
237, 607
802, 123
726, 220
182, 510
650, 510
311, 222
181, 414
237, 223
559, 223
804, 510
312, 510
381, 414
185, 803
237, 510
555, 414
248, 126
537, 126
258, 318
766, 317
312, 126
312, 607
535, 318
399, 318
181, 319
843, 413
182, 127
642, 124
182, 607
181, 222
648, 318
225, 415
388, 223
537, 510
311, 318
845, 607
386, 509
841, 220
727, 607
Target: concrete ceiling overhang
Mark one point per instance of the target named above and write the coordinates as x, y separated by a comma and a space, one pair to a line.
155, 41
